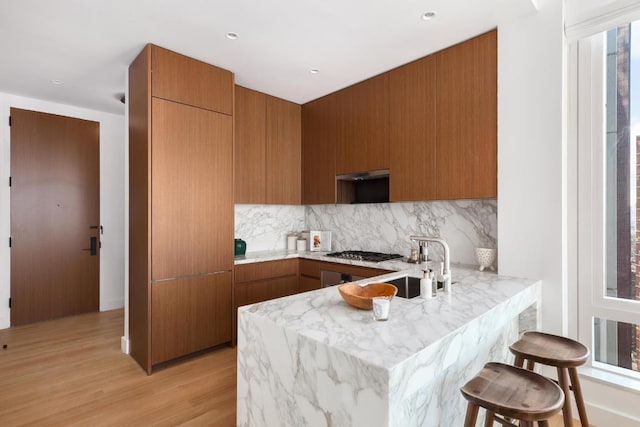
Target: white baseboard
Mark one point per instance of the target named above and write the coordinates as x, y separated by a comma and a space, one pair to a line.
125, 345
603, 417
114, 304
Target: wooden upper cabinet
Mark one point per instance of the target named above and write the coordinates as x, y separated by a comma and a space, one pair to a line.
283, 152
188, 81
268, 149
466, 119
250, 146
191, 191
363, 126
318, 151
412, 92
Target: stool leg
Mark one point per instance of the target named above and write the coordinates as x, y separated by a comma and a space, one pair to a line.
563, 380
543, 423
519, 362
488, 421
472, 415
577, 392
530, 365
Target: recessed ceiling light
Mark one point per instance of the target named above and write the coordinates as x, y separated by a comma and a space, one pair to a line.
56, 82
232, 36
428, 15
314, 71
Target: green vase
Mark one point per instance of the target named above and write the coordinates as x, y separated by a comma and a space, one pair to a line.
240, 247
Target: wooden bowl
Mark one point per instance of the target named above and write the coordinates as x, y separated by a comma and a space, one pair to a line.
361, 296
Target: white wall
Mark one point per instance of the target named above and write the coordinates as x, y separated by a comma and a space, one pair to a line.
112, 164
530, 155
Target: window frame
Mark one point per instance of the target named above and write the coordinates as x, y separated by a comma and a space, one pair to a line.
589, 107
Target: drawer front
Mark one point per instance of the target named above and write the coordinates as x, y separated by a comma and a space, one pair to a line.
266, 270
309, 283
310, 268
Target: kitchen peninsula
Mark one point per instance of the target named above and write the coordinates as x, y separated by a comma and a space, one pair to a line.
310, 359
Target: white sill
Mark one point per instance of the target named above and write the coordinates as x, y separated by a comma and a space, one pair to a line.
623, 382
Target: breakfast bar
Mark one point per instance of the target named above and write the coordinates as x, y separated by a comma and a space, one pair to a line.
311, 359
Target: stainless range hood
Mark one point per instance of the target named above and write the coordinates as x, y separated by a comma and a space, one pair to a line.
363, 187
361, 176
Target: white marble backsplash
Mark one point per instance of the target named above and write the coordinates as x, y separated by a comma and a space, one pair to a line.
381, 227
386, 227
265, 227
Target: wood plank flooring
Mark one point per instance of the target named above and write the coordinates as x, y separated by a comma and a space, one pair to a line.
70, 372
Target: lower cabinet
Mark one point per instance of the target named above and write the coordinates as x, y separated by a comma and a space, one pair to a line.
188, 315
309, 275
263, 281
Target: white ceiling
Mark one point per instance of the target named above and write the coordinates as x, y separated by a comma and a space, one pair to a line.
88, 45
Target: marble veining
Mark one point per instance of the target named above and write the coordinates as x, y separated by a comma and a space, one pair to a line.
310, 359
386, 227
265, 227
383, 227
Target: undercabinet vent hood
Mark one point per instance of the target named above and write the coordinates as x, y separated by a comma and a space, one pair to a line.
361, 176
363, 187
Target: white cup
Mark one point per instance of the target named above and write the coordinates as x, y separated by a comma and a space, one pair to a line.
381, 308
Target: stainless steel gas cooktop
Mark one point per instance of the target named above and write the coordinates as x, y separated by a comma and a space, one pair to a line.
364, 256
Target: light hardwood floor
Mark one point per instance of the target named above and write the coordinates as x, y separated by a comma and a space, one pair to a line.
70, 372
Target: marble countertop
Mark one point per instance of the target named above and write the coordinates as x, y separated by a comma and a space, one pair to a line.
414, 325
275, 255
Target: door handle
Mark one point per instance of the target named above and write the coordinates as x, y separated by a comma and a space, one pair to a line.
93, 247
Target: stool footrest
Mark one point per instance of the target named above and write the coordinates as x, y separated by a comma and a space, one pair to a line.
504, 421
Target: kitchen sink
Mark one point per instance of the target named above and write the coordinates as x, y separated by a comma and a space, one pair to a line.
408, 287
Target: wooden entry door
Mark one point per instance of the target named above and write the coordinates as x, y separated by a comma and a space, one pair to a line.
55, 216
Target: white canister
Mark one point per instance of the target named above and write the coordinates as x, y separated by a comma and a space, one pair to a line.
302, 244
292, 240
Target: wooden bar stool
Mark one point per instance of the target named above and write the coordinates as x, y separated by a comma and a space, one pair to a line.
563, 353
512, 393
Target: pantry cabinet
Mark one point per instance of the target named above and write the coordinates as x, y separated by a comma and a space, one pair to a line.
268, 147
180, 206
466, 119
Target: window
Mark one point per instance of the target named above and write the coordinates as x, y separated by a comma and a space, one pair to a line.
609, 232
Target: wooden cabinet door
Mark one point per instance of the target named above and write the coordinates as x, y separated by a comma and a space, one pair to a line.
189, 315
250, 155
412, 92
262, 281
318, 151
283, 152
363, 126
466, 119
191, 191
186, 80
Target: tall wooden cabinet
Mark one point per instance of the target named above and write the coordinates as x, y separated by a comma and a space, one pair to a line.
181, 206
363, 126
466, 119
267, 149
412, 89
319, 121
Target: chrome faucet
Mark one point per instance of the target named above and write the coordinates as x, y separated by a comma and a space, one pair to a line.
422, 240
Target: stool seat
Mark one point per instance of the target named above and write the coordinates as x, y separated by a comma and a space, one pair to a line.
550, 350
562, 353
514, 392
